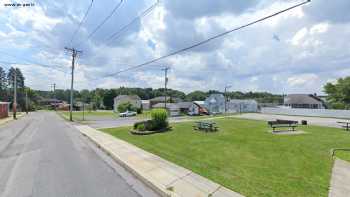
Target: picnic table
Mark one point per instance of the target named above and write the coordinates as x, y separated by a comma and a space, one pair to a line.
344, 124
283, 123
206, 126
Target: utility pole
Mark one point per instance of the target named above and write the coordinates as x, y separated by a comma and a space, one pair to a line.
14, 106
74, 54
165, 84
54, 93
225, 95
26, 100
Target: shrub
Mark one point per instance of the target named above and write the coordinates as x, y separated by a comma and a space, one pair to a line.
159, 118
141, 127
139, 110
145, 126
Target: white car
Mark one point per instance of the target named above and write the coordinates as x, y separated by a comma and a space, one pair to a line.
127, 114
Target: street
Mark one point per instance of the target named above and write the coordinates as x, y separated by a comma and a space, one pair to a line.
41, 155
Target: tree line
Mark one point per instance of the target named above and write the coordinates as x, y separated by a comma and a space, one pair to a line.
7, 83
103, 98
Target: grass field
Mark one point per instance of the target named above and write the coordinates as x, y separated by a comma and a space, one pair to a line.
244, 157
344, 155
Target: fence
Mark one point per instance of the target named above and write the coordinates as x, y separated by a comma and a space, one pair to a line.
329, 113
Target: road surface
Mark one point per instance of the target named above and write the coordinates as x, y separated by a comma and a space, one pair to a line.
327, 122
41, 156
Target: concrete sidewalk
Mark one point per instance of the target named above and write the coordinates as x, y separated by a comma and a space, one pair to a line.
164, 177
340, 182
10, 118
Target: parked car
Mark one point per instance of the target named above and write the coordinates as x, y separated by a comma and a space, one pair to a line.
127, 114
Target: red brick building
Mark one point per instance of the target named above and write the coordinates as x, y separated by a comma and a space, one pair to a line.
4, 109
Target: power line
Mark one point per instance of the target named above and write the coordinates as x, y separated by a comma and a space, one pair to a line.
33, 63
104, 21
209, 39
81, 22
118, 33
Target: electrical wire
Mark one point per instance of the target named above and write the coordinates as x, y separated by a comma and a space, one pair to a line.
118, 33
103, 22
81, 22
55, 67
209, 39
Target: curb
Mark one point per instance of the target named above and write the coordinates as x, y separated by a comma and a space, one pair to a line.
154, 186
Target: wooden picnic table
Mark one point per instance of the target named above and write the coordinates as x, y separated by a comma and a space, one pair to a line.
206, 126
345, 125
282, 123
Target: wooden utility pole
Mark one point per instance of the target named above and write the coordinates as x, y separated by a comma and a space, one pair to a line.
14, 106
26, 89
74, 54
165, 85
54, 93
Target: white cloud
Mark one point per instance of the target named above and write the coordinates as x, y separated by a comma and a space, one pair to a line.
299, 36
300, 80
250, 59
319, 28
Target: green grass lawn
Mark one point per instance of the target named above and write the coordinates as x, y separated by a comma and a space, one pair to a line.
244, 157
344, 155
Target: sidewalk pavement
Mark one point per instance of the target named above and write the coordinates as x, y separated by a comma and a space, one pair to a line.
163, 176
340, 182
10, 118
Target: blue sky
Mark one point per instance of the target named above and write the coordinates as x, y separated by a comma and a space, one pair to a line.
297, 52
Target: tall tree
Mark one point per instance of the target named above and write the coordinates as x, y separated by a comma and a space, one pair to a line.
338, 94
20, 85
3, 85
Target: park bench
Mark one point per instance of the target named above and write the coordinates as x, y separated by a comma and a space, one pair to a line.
345, 125
283, 124
205, 126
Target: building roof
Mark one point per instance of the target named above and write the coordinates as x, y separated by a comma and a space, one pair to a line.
168, 106
302, 99
184, 105
199, 102
131, 97
168, 98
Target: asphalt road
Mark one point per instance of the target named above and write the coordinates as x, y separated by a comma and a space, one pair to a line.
41, 156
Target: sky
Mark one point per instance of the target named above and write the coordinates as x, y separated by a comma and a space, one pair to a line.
295, 52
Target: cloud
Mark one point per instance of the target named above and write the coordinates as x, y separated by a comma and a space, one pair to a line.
310, 49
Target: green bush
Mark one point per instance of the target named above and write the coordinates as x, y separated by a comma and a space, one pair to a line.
145, 126
159, 118
141, 127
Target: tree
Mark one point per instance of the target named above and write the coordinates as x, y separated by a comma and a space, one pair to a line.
3, 84
123, 107
108, 98
196, 96
338, 94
